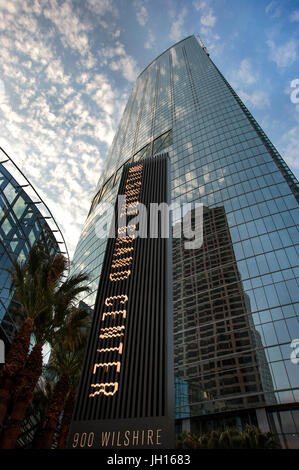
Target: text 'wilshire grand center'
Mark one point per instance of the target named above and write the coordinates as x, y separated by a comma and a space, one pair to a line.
235, 307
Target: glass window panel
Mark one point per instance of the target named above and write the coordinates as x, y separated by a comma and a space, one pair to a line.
280, 375
285, 238
242, 265
269, 334
272, 262
10, 193
19, 207
282, 293
292, 256
287, 422
293, 290
289, 311
6, 226
274, 353
294, 234
248, 251
292, 370
295, 414
277, 277
281, 331
252, 267
276, 313
293, 326
275, 240
271, 295
282, 259
265, 316
257, 246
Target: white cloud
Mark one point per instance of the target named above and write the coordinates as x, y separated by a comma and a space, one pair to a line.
245, 74
8, 6
200, 5
295, 16
208, 20
83, 78
100, 90
88, 62
150, 40
177, 29
55, 72
119, 60
257, 99
100, 7
72, 31
290, 145
116, 34
2, 92
141, 13
33, 47
56, 133
33, 6
283, 55
127, 66
273, 9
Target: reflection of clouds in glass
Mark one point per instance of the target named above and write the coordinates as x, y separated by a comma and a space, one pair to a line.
190, 175
206, 177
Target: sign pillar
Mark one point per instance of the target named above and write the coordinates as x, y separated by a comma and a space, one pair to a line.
126, 392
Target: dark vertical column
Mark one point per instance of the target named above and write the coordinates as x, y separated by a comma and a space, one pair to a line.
126, 393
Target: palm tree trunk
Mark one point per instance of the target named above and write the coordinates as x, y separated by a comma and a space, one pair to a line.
15, 360
66, 420
22, 395
45, 439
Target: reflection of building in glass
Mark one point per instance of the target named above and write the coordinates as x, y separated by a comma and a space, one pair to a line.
182, 398
220, 157
217, 347
264, 369
24, 220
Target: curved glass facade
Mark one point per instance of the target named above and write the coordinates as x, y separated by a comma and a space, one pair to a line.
22, 224
236, 307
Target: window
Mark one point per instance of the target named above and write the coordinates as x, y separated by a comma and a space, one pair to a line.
162, 142
145, 152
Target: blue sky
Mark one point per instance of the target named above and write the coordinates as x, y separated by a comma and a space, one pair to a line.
67, 68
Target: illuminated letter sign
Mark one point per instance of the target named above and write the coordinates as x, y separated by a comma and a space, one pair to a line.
126, 393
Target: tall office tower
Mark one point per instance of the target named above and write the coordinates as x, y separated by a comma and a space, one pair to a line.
24, 221
235, 299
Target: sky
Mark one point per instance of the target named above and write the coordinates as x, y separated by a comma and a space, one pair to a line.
68, 66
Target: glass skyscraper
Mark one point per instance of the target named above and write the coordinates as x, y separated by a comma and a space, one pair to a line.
236, 309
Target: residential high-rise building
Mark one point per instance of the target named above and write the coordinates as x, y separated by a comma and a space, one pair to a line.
235, 304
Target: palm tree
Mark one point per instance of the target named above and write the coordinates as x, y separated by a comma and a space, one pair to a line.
66, 418
45, 302
21, 396
70, 401
38, 407
66, 362
255, 439
231, 438
15, 360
